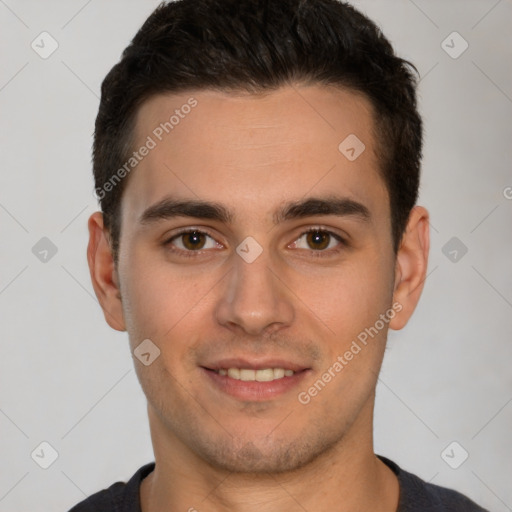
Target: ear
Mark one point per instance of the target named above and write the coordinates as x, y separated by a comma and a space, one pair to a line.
103, 273
411, 266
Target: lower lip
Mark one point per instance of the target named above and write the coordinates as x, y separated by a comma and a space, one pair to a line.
253, 390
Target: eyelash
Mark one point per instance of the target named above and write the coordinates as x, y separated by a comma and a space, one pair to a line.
314, 253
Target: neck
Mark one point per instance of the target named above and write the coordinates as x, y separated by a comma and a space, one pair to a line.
347, 477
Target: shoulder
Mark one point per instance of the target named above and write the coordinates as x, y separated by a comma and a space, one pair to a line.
119, 497
416, 494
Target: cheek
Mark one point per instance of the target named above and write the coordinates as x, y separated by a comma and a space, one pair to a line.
348, 297
160, 299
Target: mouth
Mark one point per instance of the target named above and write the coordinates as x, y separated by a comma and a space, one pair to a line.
254, 381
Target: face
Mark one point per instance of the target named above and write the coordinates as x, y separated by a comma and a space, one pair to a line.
255, 255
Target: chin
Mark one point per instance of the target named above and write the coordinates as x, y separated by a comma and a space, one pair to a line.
262, 456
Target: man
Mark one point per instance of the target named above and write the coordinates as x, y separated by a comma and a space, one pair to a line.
257, 164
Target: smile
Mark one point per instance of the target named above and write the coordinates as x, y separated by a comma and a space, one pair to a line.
267, 382
248, 375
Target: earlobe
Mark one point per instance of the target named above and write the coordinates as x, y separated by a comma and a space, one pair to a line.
411, 266
103, 273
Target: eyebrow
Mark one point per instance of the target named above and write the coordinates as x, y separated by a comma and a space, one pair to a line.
170, 208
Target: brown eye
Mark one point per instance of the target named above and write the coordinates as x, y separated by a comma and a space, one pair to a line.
193, 240
318, 240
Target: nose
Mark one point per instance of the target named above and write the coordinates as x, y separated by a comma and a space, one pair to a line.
254, 300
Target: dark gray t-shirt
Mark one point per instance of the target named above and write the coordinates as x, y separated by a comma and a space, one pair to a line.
415, 495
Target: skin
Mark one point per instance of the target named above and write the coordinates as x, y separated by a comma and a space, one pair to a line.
252, 154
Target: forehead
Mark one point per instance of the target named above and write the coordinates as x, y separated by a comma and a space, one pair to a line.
253, 152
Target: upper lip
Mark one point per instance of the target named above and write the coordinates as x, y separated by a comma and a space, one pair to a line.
254, 364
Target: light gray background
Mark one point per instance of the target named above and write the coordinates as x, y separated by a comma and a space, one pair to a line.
66, 378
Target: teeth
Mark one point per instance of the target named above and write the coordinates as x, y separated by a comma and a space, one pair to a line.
234, 373
248, 375
279, 373
264, 375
